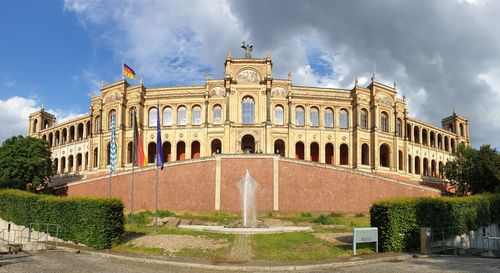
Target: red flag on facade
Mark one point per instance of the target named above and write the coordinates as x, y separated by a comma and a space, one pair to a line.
138, 147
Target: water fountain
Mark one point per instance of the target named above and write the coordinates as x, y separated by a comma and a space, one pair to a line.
247, 186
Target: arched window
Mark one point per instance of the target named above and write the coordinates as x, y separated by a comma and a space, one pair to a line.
344, 154
299, 150
399, 128
181, 115
329, 153
424, 137
363, 119
400, 160
314, 117
247, 110
416, 135
278, 115
365, 154
97, 122
217, 114
131, 116
196, 115
167, 116
112, 114
344, 119
385, 155
461, 129
35, 124
299, 116
384, 121
314, 151
152, 117
328, 118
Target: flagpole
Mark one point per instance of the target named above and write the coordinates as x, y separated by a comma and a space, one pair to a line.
156, 200
133, 165
109, 190
123, 64
159, 160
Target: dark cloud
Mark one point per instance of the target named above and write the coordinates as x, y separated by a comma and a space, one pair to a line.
441, 47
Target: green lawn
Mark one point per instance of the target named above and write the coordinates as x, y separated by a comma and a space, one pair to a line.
296, 246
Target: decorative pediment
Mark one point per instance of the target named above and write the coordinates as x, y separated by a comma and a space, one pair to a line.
384, 99
112, 97
248, 76
362, 97
279, 92
217, 91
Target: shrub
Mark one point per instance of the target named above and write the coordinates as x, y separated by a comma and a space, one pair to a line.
399, 220
95, 222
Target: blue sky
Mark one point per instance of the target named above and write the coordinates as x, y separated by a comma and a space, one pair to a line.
55, 53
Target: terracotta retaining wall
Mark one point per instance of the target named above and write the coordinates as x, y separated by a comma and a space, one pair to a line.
285, 185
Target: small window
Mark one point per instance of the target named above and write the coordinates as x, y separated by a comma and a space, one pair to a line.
167, 116
399, 128
344, 119
278, 115
111, 115
299, 116
364, 119
328, 118
384, 121
181, 115
152, 117
314, 117
217, 114
196, 118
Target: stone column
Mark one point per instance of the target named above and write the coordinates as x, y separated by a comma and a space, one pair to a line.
59, 166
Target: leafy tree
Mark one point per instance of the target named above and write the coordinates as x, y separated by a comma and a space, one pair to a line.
474, 171
25, 163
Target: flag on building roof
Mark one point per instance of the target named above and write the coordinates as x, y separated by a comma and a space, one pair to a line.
128, 72
112, 146
138, 147
159, 147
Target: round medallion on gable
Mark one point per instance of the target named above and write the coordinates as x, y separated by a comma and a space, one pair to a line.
70, 150
329, 137
79, 148
314, 136
181, 135
344, 138
299, 136
62, 152
195, 134
218, 91
166, 136
152, 136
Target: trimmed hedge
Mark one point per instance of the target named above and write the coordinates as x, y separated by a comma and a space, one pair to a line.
95, 222
399, 220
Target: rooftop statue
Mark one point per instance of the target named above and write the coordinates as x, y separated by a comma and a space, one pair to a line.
248, 50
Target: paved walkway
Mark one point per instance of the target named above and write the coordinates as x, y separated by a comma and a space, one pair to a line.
242, 249
61, 261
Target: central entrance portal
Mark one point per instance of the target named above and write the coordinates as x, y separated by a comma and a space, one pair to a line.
248, 144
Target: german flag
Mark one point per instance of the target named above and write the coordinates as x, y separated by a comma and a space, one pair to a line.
139, 155
128, 72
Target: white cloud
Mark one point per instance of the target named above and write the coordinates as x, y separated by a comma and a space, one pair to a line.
14, 118
16, 110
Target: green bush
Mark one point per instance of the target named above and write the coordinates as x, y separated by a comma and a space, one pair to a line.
399, 220
95, 222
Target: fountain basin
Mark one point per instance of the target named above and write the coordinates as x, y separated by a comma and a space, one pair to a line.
265, 230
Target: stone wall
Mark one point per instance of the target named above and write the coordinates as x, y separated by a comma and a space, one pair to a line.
286, 185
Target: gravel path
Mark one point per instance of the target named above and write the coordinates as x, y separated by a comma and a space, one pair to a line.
242, 250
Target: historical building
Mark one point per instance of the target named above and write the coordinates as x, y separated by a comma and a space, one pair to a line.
249, 111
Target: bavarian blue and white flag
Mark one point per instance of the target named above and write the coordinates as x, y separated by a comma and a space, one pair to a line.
112, 147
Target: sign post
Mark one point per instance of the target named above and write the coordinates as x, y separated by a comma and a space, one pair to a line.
364, 235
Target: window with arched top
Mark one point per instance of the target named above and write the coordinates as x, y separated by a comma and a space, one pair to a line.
181, 115
217, 114
363, 119
111, 115
167, 116
399, 128
344, 119
196, 115
131, 116
384, 121
97, 122
152, 116
278, 115
314, 117
247, 110
299, 116
328, 118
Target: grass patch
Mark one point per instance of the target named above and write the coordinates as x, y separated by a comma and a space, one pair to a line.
221, 254
299, 246
128, 248
217, 217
